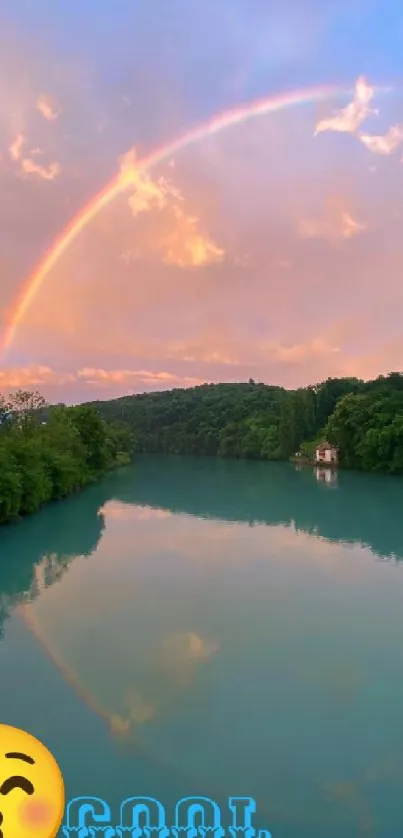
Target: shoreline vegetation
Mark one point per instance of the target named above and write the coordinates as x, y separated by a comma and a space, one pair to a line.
50, 452
362, 419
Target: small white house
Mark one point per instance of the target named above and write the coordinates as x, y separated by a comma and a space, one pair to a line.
326, 453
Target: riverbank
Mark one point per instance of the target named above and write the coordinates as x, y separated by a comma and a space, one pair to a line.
42, 461
362, 419
46, 453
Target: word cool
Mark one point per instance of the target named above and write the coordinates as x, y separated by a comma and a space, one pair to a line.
144, 817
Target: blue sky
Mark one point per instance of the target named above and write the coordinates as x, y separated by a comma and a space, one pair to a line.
265, 44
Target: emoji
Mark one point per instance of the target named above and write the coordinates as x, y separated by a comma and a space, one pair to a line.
31, 787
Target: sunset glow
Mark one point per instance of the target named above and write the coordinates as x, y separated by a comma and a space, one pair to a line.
151, 240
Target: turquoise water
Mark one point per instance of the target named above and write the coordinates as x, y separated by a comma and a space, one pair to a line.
216, 628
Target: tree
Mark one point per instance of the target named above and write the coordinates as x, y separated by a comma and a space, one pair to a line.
119, 443
10, 486
26, 408
64, 453
3, 409
41, 461
92, 432
36, 484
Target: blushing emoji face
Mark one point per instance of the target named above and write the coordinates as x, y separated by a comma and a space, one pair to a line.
31, 787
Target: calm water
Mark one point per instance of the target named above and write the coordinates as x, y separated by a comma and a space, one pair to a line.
218, 628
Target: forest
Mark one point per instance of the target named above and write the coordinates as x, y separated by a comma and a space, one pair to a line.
47, 453
257, 421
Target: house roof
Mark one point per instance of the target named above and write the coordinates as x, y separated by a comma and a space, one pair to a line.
324, 446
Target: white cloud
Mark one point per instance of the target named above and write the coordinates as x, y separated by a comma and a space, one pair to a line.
386, 143
349, 119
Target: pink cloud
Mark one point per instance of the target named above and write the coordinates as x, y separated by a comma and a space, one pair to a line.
331, 229
128, 378
106, 381
33, 376
48, 108
15, 149
45, 172
177, 236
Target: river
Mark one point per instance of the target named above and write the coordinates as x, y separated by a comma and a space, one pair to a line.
220, 628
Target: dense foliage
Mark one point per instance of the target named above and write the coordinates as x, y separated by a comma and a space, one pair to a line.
363, 419
48, 453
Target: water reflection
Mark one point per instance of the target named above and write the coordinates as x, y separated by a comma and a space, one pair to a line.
327, 476
366, 511
36, 552
71, 620
127, 681
190, 633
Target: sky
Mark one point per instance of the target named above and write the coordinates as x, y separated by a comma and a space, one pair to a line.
236, 241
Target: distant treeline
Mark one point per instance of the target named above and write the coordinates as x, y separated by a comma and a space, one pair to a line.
48, 453
256, 421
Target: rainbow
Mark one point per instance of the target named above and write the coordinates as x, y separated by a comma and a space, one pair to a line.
126, 179
119, 728
27, 615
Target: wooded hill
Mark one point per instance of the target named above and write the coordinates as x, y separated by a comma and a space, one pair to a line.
363, 419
